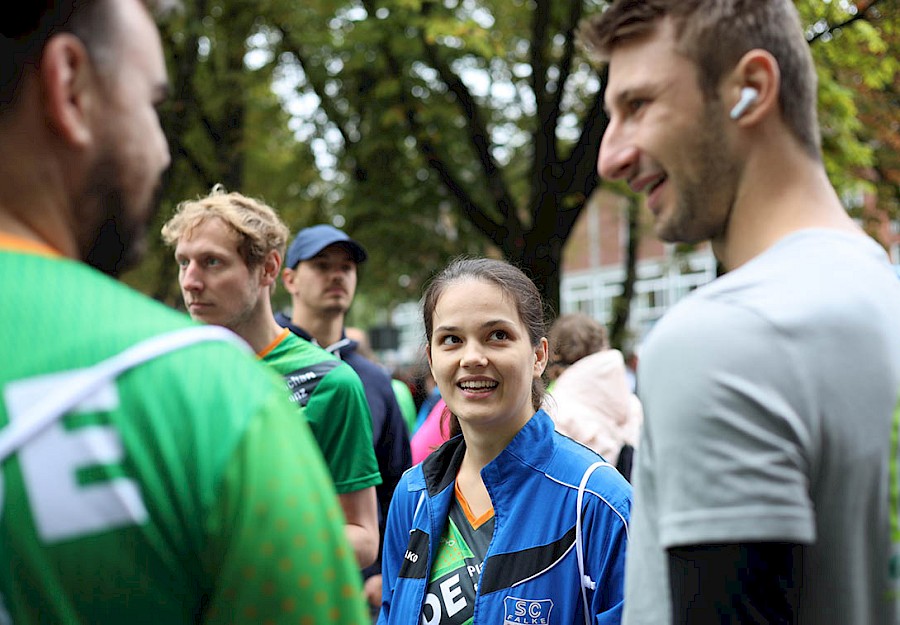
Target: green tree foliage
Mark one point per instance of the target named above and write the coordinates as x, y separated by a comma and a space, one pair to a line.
489, 116
226, 125
430, 128
855, 48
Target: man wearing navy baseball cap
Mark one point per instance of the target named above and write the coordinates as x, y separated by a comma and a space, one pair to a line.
321, 276
310, 241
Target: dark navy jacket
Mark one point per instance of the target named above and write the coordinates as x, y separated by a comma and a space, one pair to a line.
389, 433
530, 573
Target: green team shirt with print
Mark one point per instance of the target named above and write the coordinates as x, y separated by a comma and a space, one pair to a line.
335, 406
453, 583
185, 491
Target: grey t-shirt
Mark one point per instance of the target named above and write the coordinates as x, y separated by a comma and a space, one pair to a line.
770, 401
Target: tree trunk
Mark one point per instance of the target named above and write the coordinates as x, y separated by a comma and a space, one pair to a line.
618, 332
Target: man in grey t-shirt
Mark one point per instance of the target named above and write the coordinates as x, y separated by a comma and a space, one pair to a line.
766, 483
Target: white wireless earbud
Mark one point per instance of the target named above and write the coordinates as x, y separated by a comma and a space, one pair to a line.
748, 97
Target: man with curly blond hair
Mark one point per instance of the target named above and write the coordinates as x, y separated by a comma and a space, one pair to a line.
229, 249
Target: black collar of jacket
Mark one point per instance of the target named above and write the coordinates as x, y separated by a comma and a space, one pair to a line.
442, 466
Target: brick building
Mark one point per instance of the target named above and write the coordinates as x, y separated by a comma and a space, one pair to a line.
594, 261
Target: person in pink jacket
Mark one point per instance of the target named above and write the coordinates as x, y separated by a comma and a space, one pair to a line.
590, 399
431, 434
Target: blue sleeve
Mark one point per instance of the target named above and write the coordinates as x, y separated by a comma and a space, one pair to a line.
606, 545
396, 539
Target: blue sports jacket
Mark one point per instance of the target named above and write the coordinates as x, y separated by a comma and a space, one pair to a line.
530, 574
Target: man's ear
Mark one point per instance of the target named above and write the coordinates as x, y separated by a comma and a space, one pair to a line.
757, 71
270, 266
287, 278
69, 86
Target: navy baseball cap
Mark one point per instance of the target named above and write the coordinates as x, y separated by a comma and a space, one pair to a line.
310, 241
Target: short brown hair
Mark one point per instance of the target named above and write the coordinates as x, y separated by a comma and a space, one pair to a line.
26, 27
714, 35
572, 337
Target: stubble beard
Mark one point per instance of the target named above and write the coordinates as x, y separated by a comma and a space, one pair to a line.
333, 306
707, 193
333, 311
115, 238
241, 321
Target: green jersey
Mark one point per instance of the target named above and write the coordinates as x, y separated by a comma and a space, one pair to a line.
185, 490
456, 571
406, 402
335, 406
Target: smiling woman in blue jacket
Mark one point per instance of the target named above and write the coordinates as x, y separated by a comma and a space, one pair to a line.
509, 522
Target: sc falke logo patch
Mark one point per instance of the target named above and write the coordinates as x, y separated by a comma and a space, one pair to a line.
518, 611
